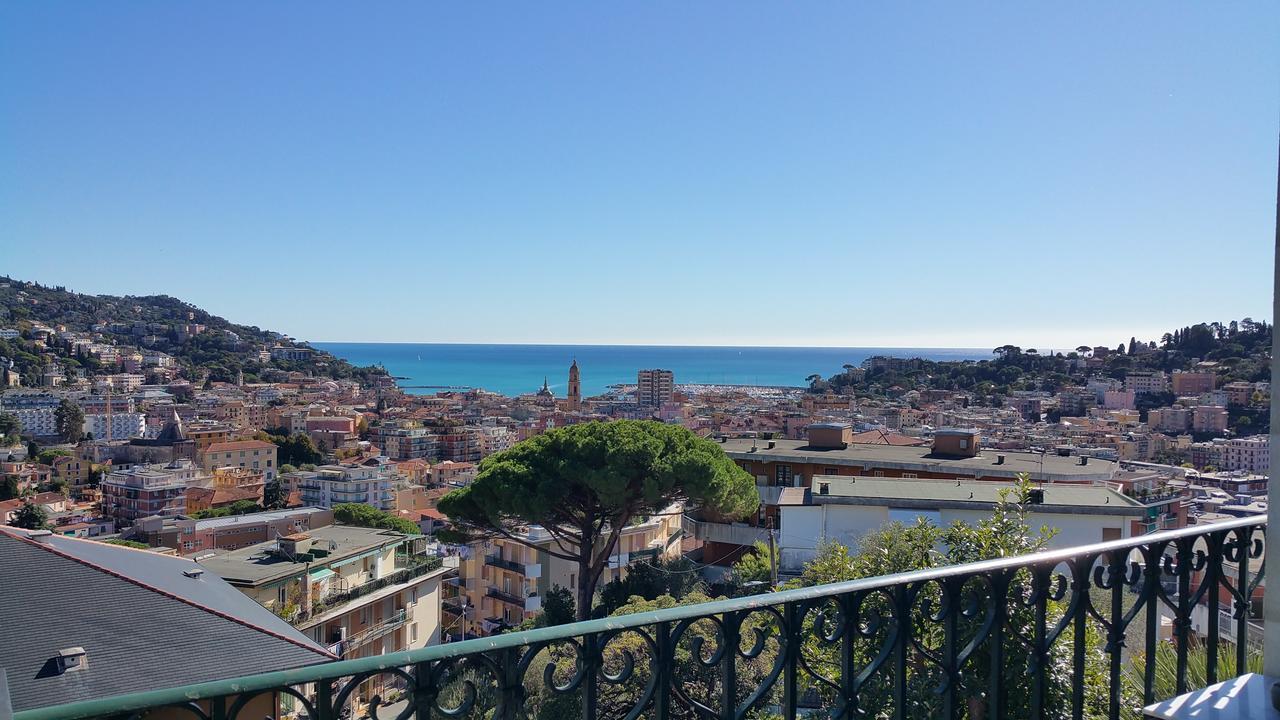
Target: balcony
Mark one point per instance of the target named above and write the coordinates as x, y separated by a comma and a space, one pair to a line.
1052, 634
420, 566
499, 562
505, 597
734, 534
379, 630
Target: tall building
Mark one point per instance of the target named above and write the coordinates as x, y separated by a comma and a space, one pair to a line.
575, 386
655, 387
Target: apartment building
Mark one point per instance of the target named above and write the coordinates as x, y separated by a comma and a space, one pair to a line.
954, 454
117, 426
408, 443
1192, 383
131, 494
228, 485
249, 454
358, 592
1250, 454
654, 387
1209, 419
844, 508
503, 581
206, 433
1169, 419
1239, 394
369, 482
1146, 382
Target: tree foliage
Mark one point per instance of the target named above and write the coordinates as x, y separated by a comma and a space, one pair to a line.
361, 515
68, 418
650, 580
239, 507
30, 517
584, 484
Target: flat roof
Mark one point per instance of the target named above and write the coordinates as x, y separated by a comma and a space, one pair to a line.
257, 565
921, 458
881, 490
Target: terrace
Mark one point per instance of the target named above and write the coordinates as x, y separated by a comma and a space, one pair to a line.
1052, 634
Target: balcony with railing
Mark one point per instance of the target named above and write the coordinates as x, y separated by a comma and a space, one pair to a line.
1060, 633
506, 597
499, 562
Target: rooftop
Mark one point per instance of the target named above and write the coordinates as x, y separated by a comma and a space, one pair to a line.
95, 596
256, 564
879, 490
921, 458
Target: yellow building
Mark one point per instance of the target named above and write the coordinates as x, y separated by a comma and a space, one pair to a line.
504, 581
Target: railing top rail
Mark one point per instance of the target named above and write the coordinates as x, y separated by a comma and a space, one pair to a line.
344, 668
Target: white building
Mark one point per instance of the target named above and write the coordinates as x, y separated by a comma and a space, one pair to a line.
844, 508
36, 421
1145, 383
1251, 454
122, 426
369, 483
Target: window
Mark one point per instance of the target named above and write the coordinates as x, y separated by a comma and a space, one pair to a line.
910, 475
413, 632
365, 615
878, 473
782, 475
831, 471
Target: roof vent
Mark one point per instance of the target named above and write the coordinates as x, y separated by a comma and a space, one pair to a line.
194, 572
40, 535
72, 659
1000, 459
772, 444
1084, 459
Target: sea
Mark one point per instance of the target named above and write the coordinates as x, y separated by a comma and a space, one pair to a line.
426, 368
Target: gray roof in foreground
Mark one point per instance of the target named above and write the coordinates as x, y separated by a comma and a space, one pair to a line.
920, 458
137, 635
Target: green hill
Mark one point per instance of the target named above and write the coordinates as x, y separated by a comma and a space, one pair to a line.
203, 344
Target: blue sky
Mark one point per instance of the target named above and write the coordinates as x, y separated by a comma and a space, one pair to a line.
924, 174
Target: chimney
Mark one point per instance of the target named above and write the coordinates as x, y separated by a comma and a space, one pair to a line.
71, 659
1000, 459
1084, 459
772, 444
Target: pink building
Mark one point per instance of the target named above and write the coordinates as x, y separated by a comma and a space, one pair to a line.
331, 424
1209, 418
1192, 383
1119, 400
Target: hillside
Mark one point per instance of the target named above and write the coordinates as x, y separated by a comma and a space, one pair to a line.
203, 344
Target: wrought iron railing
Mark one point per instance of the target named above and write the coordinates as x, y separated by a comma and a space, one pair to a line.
497, 561
1045, 635
505, 597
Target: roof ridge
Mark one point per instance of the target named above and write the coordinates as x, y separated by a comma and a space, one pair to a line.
218, 613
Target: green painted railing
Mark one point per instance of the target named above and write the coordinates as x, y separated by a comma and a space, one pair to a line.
930, 643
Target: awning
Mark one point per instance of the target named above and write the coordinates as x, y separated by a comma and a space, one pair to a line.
320, 574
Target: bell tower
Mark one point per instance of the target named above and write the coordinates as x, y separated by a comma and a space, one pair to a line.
575, 386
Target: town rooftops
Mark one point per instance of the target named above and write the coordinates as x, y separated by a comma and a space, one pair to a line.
899, 492
259, 564
240, 445
1046, 466
119, 604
